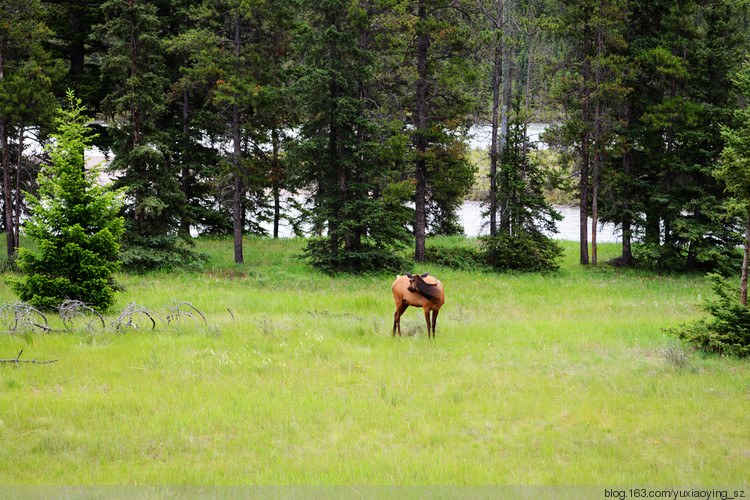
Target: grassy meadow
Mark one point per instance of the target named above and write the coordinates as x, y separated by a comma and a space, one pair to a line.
560, 378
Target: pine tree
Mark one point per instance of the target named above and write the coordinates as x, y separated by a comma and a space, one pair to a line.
75, 224
685, 54
74, 41
442, 102
236, 59
734, 170
348, 155
135, 64
590, 88
25, 92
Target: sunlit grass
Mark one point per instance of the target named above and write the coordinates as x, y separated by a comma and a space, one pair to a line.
532, 379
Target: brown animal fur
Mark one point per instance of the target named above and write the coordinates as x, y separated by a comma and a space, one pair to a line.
419, 291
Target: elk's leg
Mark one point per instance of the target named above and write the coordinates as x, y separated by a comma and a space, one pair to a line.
400, 308
427, 319
434, 321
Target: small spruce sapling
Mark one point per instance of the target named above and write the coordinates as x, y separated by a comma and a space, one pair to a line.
75, 222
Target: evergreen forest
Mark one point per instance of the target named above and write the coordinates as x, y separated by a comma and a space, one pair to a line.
217, 116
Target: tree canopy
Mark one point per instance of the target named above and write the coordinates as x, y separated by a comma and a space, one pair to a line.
358, 112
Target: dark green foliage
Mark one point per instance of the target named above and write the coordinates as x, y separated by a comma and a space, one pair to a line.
74, 42
367, 258
443, 74
711, 256
143, 142
349, 155
727, 331
522, 181
378, 95
455, 257
75, 224
27, 73
451, 175
149, 253
525, 251
684, 57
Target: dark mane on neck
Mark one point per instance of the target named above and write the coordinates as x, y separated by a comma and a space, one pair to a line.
426, 289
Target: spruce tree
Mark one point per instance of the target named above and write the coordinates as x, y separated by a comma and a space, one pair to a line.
75, 224
143, 162
25, 91
441, 59
734, 169
681, 60
349, 155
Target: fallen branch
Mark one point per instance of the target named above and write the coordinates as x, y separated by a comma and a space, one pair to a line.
18, 360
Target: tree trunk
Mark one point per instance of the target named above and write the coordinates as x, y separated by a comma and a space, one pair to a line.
505, 222
420, 203
276, 172
336, 198
337, 149
363, 94
529, 60
17, 201
507, 82
9, 233
7, 199
597, 136
627, 202
237, 219
627, 251
185, 174
594, 206
586, 117
237, 138
78, 41
496, 69
667, 180
745, 261
138, 212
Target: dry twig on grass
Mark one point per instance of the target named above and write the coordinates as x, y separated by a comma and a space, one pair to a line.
17, 360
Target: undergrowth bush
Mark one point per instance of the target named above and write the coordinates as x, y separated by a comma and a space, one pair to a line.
723, 259
727, 330
524, 252
365, 259
455, 257
150, 253
521, 252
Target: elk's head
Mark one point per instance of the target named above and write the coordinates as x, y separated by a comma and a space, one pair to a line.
413, 287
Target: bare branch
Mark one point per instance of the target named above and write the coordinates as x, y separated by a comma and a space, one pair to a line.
17, 360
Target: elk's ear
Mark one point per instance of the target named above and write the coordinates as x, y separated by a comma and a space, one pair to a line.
426, 274
410, 276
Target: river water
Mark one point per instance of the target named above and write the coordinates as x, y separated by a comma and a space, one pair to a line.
470, 213
480, 136
474, 224
470, 216
568, 229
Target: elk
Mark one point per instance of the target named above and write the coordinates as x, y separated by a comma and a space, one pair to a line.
418, 290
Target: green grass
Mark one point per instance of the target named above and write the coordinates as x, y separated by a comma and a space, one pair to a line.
533, 379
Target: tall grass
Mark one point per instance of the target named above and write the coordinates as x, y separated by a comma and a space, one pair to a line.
533, 379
